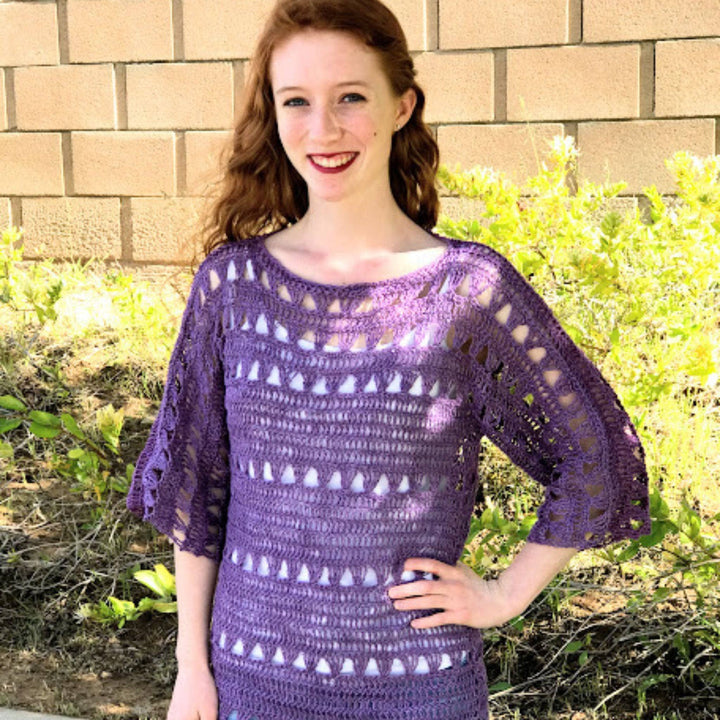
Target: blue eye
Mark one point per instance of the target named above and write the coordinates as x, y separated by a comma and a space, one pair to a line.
294, 102
353, 97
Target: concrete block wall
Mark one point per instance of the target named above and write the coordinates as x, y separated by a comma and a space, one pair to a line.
112, 112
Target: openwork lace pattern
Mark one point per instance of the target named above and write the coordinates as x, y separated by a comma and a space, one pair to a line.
312, 437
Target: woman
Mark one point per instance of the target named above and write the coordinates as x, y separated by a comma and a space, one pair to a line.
315, 455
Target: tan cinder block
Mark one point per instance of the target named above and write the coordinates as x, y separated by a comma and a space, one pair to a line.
216, 29
72, 227
202, 159
573, 83
64, 97
411, 15
511, 149
180, 95
120, 30
609, 20
458, 86
687, 77
163, 230
29, 34
635, 152
31, 164
3, 104
124, 163
502, 23
219, 29
5, 213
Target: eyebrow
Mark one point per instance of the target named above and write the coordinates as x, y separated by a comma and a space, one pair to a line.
295, 88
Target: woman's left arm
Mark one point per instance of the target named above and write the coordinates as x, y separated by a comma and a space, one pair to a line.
464, 598
538, 398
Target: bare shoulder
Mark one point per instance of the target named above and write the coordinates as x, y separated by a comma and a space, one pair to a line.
287, 240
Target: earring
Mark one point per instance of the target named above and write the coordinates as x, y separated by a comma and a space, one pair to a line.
397, 127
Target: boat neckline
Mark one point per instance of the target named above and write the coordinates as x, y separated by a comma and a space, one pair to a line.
413, 275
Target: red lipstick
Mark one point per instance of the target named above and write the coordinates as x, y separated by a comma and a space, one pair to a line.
332, 170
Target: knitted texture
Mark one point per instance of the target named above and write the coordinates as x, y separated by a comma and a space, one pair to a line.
311, 437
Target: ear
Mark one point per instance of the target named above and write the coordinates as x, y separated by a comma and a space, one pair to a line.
406, 105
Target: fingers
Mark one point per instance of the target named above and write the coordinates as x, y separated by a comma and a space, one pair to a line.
423, 602
453, 594
431, 565
418, 587
441, 618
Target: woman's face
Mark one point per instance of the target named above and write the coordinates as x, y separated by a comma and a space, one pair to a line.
336, 112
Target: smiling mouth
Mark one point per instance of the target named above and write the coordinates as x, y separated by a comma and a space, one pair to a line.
333, 163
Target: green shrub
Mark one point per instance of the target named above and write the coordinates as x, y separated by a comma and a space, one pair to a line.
642, 299
639, 292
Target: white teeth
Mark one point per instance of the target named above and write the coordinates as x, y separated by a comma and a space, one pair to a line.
332, 162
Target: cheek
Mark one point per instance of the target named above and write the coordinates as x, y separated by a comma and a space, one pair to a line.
290, 133
364, 127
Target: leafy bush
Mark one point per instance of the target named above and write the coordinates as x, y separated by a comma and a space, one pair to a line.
639, 292
160, 580
642, 299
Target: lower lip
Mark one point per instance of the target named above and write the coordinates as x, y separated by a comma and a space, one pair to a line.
333, 170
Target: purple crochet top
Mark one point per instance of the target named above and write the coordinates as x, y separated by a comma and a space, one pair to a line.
311, 437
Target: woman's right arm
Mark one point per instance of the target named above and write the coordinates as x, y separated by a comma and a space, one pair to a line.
195, 695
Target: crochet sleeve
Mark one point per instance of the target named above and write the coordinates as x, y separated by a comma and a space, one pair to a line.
181, 479
543, 403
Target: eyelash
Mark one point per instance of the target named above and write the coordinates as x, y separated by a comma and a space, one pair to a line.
295, 102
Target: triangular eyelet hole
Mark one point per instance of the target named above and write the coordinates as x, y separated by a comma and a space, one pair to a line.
520, 334
503, 314
231, 271
308, 302
333, 342
264, 279
485, 297
334, 306
482, 355
449, 338
365, 306
214, 280
445, 285
309, 336
386, 339
537, 354
360, 343
567, 400
249, 272
409, 339
425, 291
463, 289
284, 293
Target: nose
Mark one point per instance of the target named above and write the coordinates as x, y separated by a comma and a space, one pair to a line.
324, 125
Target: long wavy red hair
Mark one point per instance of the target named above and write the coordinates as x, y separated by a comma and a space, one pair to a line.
259, 190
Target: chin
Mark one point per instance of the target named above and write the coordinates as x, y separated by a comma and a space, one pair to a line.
328, 195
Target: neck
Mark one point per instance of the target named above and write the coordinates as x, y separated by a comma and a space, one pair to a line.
366, 223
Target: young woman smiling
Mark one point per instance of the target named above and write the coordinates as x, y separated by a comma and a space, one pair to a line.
314, 458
